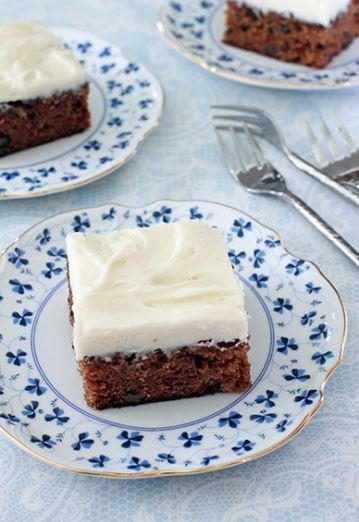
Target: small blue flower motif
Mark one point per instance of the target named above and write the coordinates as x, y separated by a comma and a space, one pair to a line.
271, 242
57, 253
164, 214
144, 83
194, 213
133, 440
122, 144
105, 52
208, 460
232, 420
105, 159
136, 464
127, 90
167, 457
19, 288
295, 267
108, 216
131, 67
307, 318
57, 414
297, 374
16, 359
240, 226
144, 104
82, 442
311, 289
1, 390
282, 425
259, 280
259, 257
92, 145
45, 237
176, 6
320, 331
194, 439
281, 304
44, 442
107, 67
243, 446
81, 165
84, 47
99, 462
115, 102
115, 121
10, 175
16, 258
306, 398
321, 358
236, 258
263, 417
51, 270
45, 172
267, 399
285, 343
23, 318
34, 387
140, 222
80, 224
30, 410
10, 418
111, 84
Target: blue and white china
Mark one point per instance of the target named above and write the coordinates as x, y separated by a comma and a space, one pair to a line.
126, 103
195, 28
297, 326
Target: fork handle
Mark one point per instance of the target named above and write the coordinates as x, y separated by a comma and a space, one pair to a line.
323, 227
323, 178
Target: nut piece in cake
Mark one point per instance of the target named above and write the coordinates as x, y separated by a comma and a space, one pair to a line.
157, 314
306, 32
43, 88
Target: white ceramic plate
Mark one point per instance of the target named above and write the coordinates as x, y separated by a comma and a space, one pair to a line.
297, 327
126, 103
195, 28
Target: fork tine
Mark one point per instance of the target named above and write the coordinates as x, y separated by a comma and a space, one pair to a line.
334, 149
318, 151
232, 117
257, 151
233, 169
345, 134
241, 152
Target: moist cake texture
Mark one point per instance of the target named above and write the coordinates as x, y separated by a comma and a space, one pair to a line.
43, 89
157, 314
300, 31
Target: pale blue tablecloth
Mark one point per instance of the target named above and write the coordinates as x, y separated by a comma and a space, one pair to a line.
316, 476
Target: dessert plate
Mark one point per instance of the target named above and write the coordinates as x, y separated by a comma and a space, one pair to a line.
195, 28
297, 326
126, 103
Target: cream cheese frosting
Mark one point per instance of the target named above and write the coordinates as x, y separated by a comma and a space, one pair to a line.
166, 286
322, 12
34, 63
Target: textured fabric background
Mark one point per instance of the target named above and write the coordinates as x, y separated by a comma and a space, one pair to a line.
316, 476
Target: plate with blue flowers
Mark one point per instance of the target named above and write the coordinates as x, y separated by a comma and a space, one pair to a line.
126, 103
195, 28
297, 325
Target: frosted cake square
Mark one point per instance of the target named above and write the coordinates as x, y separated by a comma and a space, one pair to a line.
43, 88
157, 314
307, 32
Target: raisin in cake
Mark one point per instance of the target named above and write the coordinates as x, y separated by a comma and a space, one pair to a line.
157, 314
43, 88
308, 32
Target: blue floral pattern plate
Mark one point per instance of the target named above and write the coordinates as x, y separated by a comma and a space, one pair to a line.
195, 28
297, 327
126, 103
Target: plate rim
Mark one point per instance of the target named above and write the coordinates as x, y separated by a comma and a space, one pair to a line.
79, 183
214, 467
242, 78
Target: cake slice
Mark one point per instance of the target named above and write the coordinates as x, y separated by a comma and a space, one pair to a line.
157, 314
308, 32
43, 88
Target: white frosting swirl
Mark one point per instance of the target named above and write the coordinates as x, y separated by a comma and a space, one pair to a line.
167, 286
322, 12
34, 63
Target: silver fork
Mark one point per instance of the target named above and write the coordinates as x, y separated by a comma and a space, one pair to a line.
257, 175
263, 125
